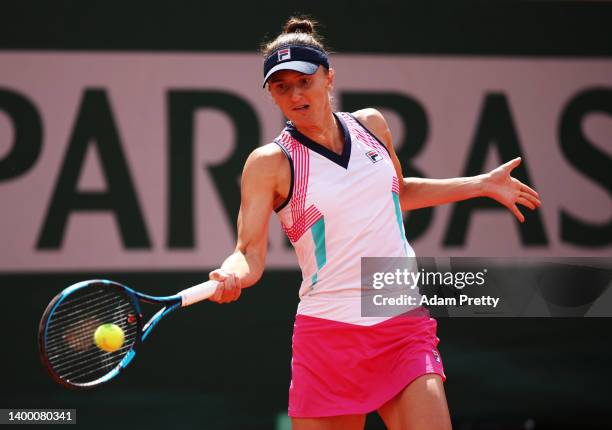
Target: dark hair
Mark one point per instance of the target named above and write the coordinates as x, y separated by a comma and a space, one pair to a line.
296, 31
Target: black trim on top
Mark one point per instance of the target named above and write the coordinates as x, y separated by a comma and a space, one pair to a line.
342, 160
290, 194
370, 133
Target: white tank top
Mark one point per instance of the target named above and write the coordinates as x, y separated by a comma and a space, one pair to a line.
340, 208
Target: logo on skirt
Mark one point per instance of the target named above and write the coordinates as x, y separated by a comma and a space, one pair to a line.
436, 355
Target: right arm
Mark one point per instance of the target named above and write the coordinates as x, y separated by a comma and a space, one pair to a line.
259, 191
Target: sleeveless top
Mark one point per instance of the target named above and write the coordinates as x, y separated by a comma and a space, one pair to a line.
340, 208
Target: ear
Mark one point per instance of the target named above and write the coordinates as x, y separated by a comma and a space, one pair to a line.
330, 77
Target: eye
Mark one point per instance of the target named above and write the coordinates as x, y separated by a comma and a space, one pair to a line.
280, 87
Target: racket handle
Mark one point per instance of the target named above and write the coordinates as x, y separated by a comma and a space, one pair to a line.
198, 293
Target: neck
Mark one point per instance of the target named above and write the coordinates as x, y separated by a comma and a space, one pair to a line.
326, 133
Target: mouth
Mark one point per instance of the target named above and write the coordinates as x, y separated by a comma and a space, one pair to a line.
301, 108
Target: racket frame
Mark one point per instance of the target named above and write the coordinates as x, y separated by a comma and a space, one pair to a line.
170, 303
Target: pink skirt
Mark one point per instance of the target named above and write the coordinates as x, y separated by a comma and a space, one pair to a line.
343, 369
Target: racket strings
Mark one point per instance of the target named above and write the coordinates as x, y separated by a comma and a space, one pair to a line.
81, 323
70, 303
106, 361
69, 341
83, 341
61, 364
79, 335
85, 337
93, 372
78, 309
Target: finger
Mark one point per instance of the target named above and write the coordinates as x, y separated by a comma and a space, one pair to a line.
236, 295
533, 199
230, 282
235, 291
228, 291
221, 272
217, 275
218, 296
230, 288
512, 163
528, 189
526, 202
517, 213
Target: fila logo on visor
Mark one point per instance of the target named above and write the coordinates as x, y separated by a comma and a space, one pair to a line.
373, 156
284, 54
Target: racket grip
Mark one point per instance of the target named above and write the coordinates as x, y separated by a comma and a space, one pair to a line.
198, 293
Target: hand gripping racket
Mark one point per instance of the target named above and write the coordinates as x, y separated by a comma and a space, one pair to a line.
66, 331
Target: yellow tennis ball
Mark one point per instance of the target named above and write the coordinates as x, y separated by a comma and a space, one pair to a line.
109, 337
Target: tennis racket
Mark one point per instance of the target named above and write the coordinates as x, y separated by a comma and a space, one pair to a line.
66, 331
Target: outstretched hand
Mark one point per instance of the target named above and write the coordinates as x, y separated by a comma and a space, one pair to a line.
509, 191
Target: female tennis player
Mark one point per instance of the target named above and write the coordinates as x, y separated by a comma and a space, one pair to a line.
336, 184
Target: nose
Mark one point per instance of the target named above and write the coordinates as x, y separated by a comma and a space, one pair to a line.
296, 93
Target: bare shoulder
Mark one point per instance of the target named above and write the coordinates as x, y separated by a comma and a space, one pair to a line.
266, 159
267, 168
376, 123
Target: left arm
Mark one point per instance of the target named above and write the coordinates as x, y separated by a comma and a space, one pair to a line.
418, 193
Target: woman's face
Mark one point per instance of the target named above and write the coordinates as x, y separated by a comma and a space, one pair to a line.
303, 99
